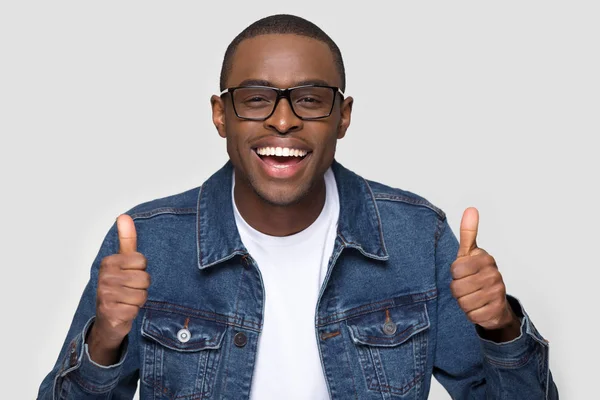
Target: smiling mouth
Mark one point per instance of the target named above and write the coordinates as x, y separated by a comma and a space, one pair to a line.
281, 157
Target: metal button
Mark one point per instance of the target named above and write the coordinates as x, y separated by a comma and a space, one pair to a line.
240, 339
184, 335
389, 328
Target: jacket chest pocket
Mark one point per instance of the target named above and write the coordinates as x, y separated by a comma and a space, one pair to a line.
391, 346
180, 354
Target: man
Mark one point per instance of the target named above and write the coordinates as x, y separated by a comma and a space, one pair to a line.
286, 275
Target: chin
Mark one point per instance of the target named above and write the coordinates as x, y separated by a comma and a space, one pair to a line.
281, 198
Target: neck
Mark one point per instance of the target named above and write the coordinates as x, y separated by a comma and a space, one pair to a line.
275, 220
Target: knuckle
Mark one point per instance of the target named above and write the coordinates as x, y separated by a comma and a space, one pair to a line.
109, 261
489, 259
454, 286
498, 291
139, 259
489, 279
108, 280
497, 309
456, 271
473, 317
103, 293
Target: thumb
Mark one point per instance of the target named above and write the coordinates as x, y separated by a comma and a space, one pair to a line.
127, 234
468, 232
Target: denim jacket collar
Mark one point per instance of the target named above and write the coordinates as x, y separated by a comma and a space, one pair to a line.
359, 224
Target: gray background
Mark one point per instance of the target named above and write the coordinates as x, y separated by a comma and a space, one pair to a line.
106, 105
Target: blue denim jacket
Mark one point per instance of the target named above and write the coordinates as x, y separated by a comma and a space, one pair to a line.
385, 321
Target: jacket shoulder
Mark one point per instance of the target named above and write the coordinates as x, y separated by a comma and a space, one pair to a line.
180, 203
383, 192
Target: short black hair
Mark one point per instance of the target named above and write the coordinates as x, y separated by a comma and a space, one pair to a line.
282, 24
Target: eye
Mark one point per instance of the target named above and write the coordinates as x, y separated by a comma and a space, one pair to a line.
255, 99
308, 99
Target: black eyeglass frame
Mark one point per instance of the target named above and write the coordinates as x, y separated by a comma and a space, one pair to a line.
283, 93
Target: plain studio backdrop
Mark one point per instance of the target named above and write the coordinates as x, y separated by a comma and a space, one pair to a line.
106, 105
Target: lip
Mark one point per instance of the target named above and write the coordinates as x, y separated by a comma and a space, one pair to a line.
282, 173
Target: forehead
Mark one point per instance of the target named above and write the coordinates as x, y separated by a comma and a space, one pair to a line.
283, 60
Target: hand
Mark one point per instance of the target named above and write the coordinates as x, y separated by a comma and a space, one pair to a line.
477, 284
122, 290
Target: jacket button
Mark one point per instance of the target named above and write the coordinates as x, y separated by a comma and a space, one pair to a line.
183, 335
240, 339
389, 328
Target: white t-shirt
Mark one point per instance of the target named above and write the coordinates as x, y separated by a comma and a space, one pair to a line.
288, 365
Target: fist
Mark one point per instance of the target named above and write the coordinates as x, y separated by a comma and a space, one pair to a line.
122, 288
477, 284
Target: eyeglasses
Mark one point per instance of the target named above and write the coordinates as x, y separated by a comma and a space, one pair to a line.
258, 103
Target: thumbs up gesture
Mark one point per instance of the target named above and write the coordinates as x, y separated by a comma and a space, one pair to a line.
477, 284
122, 290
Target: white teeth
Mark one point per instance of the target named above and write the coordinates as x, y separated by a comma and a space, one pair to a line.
280, 152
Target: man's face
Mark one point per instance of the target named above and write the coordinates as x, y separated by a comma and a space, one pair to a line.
281, 61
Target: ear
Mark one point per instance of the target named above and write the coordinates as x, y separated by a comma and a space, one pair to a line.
218, 114
346, 112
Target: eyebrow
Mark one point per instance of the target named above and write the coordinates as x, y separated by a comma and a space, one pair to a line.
261, 82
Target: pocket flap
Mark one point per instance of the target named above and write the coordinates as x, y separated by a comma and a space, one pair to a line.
166, 328
389, 327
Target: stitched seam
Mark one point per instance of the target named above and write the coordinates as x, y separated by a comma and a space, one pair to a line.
438, 232
229, 348
408, 200
378, 216
237, 296
418, 326
168, 392
350, 370
201, 314
359, 247
394, 389
344, 241
509, 364
379, 305
88, 387
238, 252
366, 310
364, 361
204, 342
198, 232
163, 210
235, 313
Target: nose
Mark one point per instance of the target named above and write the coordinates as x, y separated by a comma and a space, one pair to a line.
283, 119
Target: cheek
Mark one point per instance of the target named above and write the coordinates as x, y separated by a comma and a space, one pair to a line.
330, 143
237, 138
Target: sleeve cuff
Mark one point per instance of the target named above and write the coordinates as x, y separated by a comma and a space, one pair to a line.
89, 375
517, 351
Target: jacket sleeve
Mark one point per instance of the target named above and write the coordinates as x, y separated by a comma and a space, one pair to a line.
75, 375
470, 367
